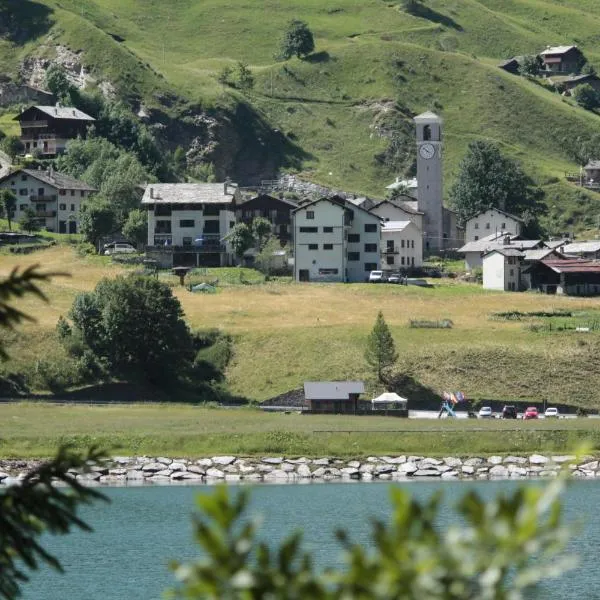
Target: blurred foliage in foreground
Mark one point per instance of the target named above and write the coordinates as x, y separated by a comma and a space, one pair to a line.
496, 550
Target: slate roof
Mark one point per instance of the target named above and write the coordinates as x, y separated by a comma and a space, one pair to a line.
332, 390
582, 247
189, 193
399, 204
593, 164
502, 212
260, 196
427, 116
505, 251
391, 226
341, 202
555, 243
533, 255
556, 50
63, 112
60, 181
487, 245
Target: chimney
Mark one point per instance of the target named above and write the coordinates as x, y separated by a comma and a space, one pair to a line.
506, 240
227, 180
151, 192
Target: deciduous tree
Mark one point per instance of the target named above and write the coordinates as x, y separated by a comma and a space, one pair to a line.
136, 226
28, 220
240, 238
586, 96
135, 326
380, 353
297, 40
261, 230
98, 219
488, 179
8, 202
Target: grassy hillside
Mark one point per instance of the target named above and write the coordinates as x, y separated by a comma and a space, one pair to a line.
288, 333
374, 65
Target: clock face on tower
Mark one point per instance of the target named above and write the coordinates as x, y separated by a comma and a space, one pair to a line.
427, 151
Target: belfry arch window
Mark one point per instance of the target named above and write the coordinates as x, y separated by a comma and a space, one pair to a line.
427, 132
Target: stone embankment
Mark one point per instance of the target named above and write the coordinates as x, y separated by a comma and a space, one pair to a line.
122, 470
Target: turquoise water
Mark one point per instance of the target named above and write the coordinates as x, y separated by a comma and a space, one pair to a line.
135, 537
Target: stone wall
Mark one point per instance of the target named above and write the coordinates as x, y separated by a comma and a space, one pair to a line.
123, 470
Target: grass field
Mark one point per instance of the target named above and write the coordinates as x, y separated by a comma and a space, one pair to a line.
36, 430
288, 333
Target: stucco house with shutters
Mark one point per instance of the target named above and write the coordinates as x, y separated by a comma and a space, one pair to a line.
401, 246
334, 240
492, 221
55, 198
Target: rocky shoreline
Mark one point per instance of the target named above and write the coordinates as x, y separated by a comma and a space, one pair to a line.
124, 470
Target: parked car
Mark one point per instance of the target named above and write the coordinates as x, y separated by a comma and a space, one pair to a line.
118, 248
395, 278
485, 412
509, 412
531, 413
377, 277
551, 413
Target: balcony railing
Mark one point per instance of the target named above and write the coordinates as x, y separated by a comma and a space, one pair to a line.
46, 213
51, 198
204, 249
34, 123
390, 251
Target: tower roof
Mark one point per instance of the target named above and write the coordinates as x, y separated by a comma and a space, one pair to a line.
428, 117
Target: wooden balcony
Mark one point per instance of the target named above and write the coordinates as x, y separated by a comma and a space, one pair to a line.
33, 124
42, 198
386, 251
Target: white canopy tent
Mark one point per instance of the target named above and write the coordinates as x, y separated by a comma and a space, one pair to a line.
389, 400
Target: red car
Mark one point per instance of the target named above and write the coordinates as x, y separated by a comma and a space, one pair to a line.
531, 413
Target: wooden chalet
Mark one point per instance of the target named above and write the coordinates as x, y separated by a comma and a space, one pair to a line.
573, 277
276, 210
45, 130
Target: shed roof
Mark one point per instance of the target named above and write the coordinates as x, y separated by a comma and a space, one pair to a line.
60, 181
332, 390
592, 164
573, 265
189, 193
61, 112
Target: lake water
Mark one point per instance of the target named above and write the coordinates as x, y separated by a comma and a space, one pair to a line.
143, 528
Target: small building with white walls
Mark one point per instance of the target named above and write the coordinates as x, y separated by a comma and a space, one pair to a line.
401, 246
502, 270
335, 240
492, 221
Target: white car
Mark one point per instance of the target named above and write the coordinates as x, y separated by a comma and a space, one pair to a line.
485, 412
551, 413
118, 248
377, 277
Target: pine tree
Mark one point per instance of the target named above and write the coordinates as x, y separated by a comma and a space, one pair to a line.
381, 353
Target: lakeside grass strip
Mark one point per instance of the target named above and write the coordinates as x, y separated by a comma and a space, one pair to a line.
35, 430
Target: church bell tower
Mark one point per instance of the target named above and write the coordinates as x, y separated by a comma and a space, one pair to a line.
429, 178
